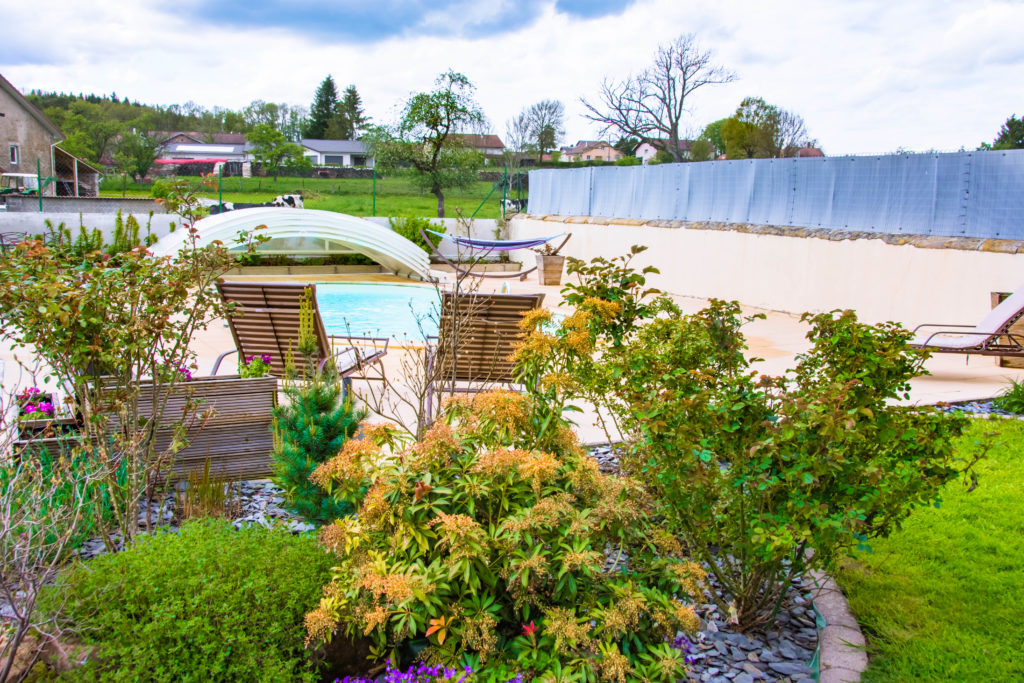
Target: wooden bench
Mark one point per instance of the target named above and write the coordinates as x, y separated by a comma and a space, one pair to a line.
237, 437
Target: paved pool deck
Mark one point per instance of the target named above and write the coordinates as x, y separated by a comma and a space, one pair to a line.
777, 339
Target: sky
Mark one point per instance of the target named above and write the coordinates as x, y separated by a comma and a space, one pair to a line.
867, 76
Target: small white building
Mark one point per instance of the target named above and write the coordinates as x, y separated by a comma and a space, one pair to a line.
336, 152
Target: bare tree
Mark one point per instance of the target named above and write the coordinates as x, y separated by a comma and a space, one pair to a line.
651, 105
546, 120
792, 133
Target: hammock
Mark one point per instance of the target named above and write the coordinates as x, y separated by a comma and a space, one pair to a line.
496, 245
487, 246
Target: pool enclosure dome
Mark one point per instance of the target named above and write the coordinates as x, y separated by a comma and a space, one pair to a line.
308, 231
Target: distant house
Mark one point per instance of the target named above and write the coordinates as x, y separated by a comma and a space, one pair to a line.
648, 150
182, 137
490, 146
28, 145
591, 150
336, 152
807, 151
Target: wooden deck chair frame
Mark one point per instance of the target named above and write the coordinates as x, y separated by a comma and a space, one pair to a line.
265, 320
990, 337
485, 329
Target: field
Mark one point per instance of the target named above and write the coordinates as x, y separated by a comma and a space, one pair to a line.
398, 196
943, 598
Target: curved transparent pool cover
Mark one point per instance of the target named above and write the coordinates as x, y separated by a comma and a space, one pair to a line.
378, 310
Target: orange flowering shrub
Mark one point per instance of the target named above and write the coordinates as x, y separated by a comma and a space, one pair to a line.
483, 545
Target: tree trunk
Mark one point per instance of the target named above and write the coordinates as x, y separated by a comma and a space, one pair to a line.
440, 201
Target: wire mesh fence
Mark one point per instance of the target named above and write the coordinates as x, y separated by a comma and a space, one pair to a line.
958, 194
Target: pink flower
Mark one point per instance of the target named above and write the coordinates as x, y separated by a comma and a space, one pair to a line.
529, 629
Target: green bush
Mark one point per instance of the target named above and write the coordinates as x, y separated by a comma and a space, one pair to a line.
1011, 399
409, 228
206, 604
485, 545
753, 471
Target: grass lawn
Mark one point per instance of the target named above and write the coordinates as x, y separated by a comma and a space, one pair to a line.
943, 599
395, 196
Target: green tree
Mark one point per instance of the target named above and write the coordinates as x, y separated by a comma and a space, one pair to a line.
1011, 135
425, 139
627, 145
135, 154
89, 130
762, 130
273, 151
547, 124
325, 106
701, 150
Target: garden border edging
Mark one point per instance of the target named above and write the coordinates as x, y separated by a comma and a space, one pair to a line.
842, 654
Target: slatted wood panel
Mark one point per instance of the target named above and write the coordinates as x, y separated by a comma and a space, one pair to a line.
236, 436
266, 320
485, 328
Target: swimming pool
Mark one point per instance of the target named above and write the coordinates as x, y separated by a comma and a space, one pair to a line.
378, 310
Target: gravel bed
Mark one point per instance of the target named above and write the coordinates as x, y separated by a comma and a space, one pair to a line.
717, 654
978, 409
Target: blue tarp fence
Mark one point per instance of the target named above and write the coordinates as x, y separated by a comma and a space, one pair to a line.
960, 194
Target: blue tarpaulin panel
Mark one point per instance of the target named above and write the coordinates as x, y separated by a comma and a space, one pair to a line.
970, 194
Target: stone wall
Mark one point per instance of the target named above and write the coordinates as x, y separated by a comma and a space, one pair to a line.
19, 127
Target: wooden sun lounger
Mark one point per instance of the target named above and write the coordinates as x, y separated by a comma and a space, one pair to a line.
990, 337
486, 330
266, 321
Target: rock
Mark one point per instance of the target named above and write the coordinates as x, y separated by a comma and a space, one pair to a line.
790, 668
788, 651
752, 657
753, 670
743, 678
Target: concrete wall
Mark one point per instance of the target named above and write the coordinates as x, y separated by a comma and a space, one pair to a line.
806, 270
35, 223
19, 127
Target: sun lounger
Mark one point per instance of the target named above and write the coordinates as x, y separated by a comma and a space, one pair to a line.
478, 333
265, 321
990, 337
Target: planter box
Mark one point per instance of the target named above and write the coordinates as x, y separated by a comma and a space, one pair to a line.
236, 436
549, 269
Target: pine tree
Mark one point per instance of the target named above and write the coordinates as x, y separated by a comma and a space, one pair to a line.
351, 108
325, 107
311, 429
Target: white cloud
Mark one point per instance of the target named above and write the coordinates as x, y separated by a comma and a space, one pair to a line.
867, 77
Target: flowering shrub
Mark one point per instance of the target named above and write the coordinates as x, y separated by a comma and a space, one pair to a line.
255, 366
488, 544
752, 471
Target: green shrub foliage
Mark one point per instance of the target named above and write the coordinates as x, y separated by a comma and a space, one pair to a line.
409, 228
206, 604
1011, 399
487, 545
753, 471
311, 429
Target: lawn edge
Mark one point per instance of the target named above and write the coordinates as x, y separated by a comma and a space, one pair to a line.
842, 653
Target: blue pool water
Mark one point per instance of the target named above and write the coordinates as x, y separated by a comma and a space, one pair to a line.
378, 310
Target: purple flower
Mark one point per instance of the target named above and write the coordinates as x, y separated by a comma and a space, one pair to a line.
266, 358
186, 373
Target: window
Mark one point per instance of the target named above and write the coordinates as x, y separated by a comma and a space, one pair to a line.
15, 155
